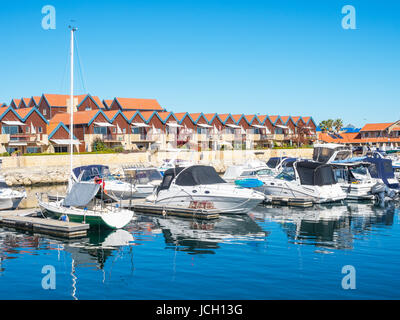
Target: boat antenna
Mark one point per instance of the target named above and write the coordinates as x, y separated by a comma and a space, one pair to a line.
71, 102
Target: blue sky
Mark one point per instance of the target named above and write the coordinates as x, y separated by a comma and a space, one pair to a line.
276, 57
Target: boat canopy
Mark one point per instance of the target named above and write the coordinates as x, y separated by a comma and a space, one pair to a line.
315, 173
382, 169
198, 174
190, 176
81, 194
90, 172
325, 152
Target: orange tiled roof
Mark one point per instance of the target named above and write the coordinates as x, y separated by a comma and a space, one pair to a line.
80, 117
180, 115
236, 117
23, 112
376, 126
223, 116
58, 100
209, 116
164, 115
306, 119
273, 118
111, 113
26, 100
195, 116
354, 137
108, 102
249, 117
37, 99
143, 104
146, 115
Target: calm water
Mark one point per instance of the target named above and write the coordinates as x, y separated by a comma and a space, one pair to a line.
272, 253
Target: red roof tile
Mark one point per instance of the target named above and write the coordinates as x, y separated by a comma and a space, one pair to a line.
140, 104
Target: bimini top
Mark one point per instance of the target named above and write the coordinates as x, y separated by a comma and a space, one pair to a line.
190, 176
81, 194
383, 169
90, 172
315, 173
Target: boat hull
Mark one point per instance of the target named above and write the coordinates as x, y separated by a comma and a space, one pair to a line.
317, 194
113, 220
10, 203
224, 198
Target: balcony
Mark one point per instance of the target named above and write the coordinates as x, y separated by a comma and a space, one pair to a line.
24, 137
278, 137
266, 137
116, 137
144, 137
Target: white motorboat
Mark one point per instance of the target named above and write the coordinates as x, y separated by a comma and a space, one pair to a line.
305, 179
9, 198
200, 187
356, 181
112, 186
81, 205
329, 152
249, 168
277, 164
144, 180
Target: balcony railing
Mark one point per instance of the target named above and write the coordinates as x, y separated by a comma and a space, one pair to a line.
25, 137
115, 137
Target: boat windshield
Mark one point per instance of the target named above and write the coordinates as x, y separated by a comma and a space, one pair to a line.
359, 170
273, 162
287, 174
261, 172
145, 176
90, 172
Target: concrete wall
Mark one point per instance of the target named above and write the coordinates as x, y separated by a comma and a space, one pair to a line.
44, 170
227, 156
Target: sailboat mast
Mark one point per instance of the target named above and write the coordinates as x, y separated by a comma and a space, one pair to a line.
71, 130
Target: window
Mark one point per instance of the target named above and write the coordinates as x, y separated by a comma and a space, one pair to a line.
59, 149
40, 129
10, 129
27, 129
100, 130
124, 130
32, 150
88, 108
135, 130
44, 112
114, 130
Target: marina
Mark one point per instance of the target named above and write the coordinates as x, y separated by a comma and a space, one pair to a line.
280, 248
207, 151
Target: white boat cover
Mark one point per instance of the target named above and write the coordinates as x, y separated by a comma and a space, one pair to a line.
81, 194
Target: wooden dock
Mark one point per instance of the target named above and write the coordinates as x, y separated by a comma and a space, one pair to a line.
25, 220
291, 202
150, 208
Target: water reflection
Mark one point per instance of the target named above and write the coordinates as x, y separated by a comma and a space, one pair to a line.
31, 201
203, 237
334, 226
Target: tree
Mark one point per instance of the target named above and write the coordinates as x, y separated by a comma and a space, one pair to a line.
326, 125
338, 124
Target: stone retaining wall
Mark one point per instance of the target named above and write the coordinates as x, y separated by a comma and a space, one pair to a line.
54, 169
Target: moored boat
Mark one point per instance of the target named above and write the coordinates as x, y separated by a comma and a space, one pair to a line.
81, 205
200, 187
